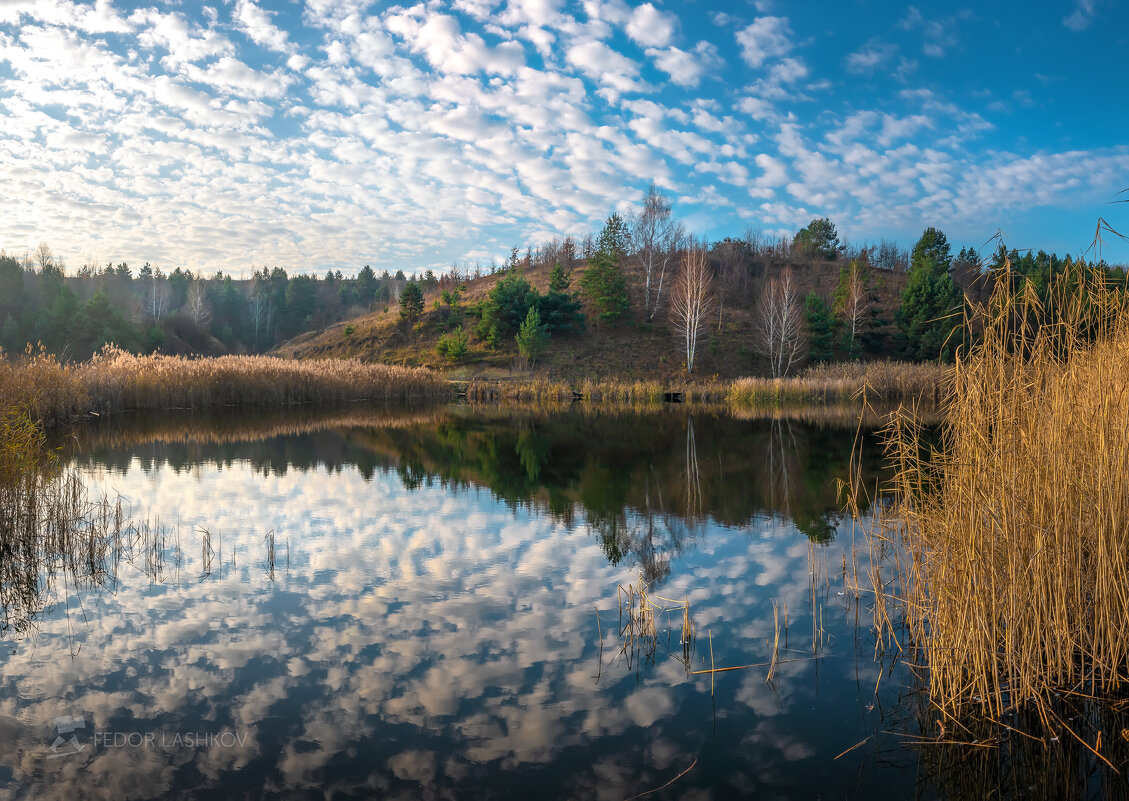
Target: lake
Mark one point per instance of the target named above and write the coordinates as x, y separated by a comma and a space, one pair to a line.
427, 604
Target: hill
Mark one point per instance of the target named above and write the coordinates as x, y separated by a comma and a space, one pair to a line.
631, 348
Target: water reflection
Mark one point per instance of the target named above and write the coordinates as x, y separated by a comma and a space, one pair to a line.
405, 606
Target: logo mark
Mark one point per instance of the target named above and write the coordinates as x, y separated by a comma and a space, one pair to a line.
67, 742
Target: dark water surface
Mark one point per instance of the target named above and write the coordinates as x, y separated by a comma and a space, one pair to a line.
404, 605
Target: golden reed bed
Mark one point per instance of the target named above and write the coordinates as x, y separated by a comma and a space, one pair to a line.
1004, 558
882, 382
115, 381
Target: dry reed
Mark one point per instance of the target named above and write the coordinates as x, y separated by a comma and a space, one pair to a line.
1004, 552
821, 384
845, 382
639, 613
115, 381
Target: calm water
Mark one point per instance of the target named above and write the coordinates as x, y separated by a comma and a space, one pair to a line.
424, 605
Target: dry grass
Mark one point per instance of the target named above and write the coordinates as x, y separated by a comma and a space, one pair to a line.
1005, 553
43, 388
115, 381
639, 614
822, 384
845, 382
607, 391
222, 427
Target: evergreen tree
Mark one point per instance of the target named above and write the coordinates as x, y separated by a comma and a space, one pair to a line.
559, 280
819, 323
12, 295
366, 284
532, 337
931, 302
411, 303
559, 309
506, 307
10, 335
818, 239
604, 281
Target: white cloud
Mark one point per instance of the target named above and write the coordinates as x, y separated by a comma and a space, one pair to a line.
870, 56
773, 171
257, 24
410, 135
650, 27
766, 38
231, 75
601, 63
1082, 16
939, 35
682, 67
184, 41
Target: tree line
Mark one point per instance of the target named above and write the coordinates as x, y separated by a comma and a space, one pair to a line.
642, 269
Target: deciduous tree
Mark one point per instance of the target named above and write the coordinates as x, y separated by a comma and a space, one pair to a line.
196, 306
779, 324
657, 236
691, 299
852, 305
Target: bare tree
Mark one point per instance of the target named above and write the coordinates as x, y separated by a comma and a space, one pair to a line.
852, 302
43, 256
197, 306
657, 236
690, 301
258, 303
158, 295
779, 324
733, 260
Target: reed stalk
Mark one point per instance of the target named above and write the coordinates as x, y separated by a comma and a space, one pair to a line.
1004, 551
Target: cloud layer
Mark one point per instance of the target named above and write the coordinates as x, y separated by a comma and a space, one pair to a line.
347, 133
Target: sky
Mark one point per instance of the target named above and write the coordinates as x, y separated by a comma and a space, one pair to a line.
329, 134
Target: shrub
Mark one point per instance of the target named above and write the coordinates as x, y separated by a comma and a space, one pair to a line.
454, 346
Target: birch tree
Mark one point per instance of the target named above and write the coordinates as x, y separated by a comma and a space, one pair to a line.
656, 236
158, 296
690, 302
258, 302
779, 324
197, 306
852, 302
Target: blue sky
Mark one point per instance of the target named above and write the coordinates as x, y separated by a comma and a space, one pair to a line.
334, 134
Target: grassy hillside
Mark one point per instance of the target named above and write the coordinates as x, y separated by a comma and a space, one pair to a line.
628, 349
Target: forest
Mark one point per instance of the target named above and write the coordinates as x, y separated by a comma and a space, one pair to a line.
641, 271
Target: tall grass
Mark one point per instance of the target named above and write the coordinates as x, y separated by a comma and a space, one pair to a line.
1008, 545
824, 383
845, 382
610, 391
115, 381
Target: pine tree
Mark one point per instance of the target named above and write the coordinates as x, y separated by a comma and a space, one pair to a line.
931, 302
532, 337
818, 239
604, 282
559, 309
411, 302
558, 279
819, 322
